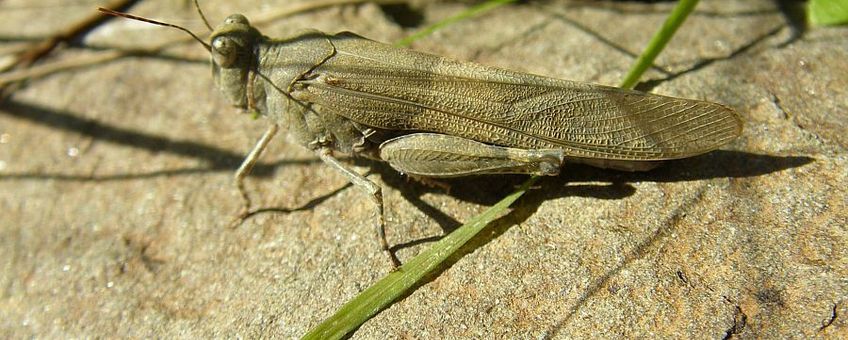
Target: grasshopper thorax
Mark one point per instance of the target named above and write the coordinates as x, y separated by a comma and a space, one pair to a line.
234, 58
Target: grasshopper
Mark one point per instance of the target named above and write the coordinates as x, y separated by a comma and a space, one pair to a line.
433, 117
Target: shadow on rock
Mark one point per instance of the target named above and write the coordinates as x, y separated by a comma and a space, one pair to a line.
217, 159
585, 181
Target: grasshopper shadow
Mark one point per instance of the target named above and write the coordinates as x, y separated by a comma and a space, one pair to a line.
581, 181
216, 159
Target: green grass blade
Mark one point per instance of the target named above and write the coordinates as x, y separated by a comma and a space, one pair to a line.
380, 295
828, 12
658, 42
466, 14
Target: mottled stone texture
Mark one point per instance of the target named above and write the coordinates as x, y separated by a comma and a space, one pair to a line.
116, 192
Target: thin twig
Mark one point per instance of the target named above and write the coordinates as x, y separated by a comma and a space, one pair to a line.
48, 69
306, 6
58, 66
28, 57
74, 32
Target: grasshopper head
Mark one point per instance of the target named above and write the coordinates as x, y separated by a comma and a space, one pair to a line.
233, 57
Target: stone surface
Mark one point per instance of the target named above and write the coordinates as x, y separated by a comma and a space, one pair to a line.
115, 191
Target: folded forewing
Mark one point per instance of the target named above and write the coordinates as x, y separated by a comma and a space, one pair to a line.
414, 91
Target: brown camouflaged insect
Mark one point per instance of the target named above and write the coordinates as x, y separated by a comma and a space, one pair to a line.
430, 116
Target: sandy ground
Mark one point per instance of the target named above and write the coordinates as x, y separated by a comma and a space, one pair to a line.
116, 190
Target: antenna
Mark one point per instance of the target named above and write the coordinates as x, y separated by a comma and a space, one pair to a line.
205, 22
159, 23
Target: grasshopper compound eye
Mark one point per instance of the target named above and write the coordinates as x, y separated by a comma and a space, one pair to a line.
224, 51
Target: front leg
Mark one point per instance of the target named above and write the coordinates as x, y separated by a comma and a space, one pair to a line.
246, 167
371, 188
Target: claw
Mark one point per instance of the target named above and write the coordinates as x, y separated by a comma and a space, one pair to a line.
243, 214
395, 261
